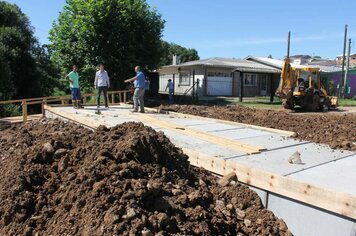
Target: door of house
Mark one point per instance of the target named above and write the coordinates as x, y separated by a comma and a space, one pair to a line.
219, 86
263, 84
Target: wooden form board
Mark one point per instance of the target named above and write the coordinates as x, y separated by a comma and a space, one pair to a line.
288, 133
89, 122
337, 202
232, 144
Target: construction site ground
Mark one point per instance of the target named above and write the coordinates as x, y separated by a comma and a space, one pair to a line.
257, 145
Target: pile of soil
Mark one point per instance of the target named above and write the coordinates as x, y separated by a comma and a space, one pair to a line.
335, 130
62, 179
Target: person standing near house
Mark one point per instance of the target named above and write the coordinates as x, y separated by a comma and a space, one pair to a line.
73, 78
170, 87
139, 85
102, 83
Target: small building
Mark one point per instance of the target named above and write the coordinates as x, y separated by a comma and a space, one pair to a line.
334, 81
220, 77
300, 59
352, 59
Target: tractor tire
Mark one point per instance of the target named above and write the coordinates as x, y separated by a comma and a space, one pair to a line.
315, 106
288, 104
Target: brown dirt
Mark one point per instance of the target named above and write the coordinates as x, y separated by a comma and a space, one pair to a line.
335, 130
62, 179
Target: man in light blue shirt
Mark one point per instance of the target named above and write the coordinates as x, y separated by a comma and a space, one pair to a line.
139, 84
102, 83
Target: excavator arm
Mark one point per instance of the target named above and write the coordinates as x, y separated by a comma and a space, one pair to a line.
287, 81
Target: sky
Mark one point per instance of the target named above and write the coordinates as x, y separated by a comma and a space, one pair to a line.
236, 29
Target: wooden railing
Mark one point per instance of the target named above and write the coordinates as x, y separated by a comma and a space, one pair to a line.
121, 95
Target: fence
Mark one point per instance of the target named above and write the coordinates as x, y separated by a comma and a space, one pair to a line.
112, 98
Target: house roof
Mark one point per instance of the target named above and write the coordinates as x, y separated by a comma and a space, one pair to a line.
279, 64
230, 63
351, 54
274, 62
300, 56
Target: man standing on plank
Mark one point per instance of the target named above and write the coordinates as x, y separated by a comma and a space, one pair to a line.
102, 83
139, 84
73, 78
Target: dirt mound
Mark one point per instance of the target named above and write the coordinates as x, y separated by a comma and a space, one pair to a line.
335, 130
62, 179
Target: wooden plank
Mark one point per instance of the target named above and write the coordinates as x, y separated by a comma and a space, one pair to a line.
55, 97
24, 111
337, 202
19, 119
79, 119
232, 144
288, 133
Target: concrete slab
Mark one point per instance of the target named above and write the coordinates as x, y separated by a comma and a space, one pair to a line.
237, 134
304, 220
336, 175
276, 161
274, 141
185, 141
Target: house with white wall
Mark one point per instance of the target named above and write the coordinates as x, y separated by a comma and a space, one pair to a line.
220, 77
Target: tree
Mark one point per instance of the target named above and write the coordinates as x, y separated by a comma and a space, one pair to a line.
22, 71
170, 49
118, 33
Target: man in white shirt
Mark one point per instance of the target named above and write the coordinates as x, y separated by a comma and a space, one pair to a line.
102, 83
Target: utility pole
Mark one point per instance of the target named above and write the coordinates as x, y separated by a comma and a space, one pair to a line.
343, 64
347, 67
288, 49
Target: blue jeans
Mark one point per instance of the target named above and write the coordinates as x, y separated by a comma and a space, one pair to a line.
75, 93
104, 89
170, 96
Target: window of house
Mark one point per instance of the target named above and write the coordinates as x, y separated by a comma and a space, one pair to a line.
250, 80
184, 79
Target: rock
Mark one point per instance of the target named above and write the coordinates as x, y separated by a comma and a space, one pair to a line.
63, 164
59, 153
162, 219
247, 222
176, 192
224, 181
110, 217
259, 221
98, 186
240, 214
130, 214
295, 158
281, 225
219, 205
146, 232
194, 196
47, 148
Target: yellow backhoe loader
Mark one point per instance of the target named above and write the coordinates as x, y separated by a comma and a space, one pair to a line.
302, 87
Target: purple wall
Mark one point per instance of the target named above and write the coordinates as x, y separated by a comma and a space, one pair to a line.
336, 77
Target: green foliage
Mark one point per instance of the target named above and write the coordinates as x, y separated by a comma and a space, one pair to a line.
28, 71
7, 110
118, 33
170, 49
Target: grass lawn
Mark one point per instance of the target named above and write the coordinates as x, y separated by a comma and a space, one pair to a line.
347, 102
